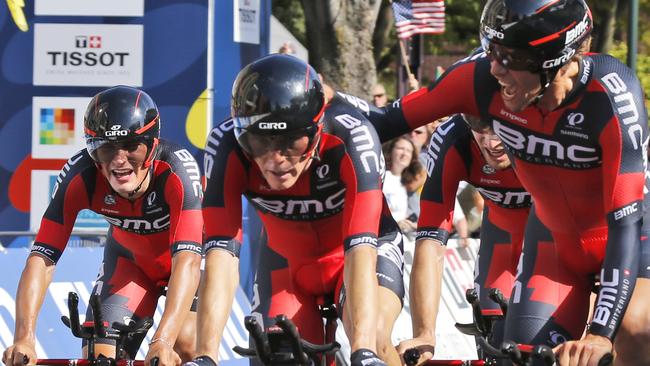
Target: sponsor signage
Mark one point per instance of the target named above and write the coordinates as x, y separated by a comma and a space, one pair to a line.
57, 126
246, 21
88, 54
103, 8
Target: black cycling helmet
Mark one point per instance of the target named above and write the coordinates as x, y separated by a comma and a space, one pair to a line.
475, 123
544, 33
278, 98
122, 114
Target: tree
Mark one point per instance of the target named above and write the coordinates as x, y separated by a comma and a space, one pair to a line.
339, 38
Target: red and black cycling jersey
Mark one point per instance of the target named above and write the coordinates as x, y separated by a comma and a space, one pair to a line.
454, 156
165, 220
584, 163
336, 203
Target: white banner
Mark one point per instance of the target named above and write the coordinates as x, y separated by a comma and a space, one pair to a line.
88, 54
102, 8
246, 21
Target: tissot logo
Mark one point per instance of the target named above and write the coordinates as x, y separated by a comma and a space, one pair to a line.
88, 41
88, 54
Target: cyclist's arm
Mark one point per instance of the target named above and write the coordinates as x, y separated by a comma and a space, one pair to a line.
217, 291
454, 92
184, 195
425, 287
361, 173
445, 169
222, 215
36, 277
623, 142
54, 232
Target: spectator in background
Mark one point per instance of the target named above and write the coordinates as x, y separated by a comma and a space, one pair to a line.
420, 137
379, 98
287, 48
399, 154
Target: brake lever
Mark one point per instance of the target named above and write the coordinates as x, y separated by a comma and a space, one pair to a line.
294, 339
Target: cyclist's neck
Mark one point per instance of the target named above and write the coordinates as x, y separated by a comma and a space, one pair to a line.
560, 88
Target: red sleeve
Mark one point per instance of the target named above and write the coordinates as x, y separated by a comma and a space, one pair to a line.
222, 204
445, 169
70, 196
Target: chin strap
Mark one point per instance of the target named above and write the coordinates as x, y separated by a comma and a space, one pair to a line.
545, 79
137, 189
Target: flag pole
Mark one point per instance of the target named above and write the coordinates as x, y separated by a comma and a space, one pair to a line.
405, 57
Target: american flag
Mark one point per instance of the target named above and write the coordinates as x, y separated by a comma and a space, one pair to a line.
418, 16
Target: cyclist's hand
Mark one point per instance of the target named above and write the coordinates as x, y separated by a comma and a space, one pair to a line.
201, 361
365, 357
164, 352
585, 352
426, 347
19, 354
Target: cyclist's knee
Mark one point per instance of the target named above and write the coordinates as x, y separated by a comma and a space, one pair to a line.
185, 347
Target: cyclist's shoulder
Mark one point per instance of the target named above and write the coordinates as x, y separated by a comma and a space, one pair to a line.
221, 137
454, 131
80, 163
612, 74
346, 117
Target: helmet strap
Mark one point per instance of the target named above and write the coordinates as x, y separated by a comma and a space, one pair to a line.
137, 189
545, 79
150, 155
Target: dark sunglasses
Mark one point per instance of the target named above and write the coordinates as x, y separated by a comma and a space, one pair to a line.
516, 60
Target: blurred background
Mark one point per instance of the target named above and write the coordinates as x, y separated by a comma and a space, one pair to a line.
56, 54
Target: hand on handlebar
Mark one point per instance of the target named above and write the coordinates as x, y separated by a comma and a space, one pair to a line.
584, 352
164, 352
20, 353
425, 346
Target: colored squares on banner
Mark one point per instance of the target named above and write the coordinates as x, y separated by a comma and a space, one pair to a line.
56, 126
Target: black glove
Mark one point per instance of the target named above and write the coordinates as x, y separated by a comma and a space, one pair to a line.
201, 361
365, 357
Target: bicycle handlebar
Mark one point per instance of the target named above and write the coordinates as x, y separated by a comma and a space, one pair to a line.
267, 346
87, 362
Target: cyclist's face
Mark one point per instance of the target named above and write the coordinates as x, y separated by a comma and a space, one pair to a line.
281, 162
519, 87
123, 165
492, 149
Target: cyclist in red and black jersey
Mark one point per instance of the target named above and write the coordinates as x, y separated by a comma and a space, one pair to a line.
150, 192
458, 153
575, 126
313, 172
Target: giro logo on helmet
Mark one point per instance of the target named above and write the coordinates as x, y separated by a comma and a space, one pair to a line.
272, 125
566, 56
493, 33
116, 131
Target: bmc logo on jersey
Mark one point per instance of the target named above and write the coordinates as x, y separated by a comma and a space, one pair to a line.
272, 125
508, 199
610, 302
140, 225
297, 209
626, 107
548, 151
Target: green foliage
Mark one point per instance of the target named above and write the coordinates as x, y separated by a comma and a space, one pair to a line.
642, 67
291, 15
461, 28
